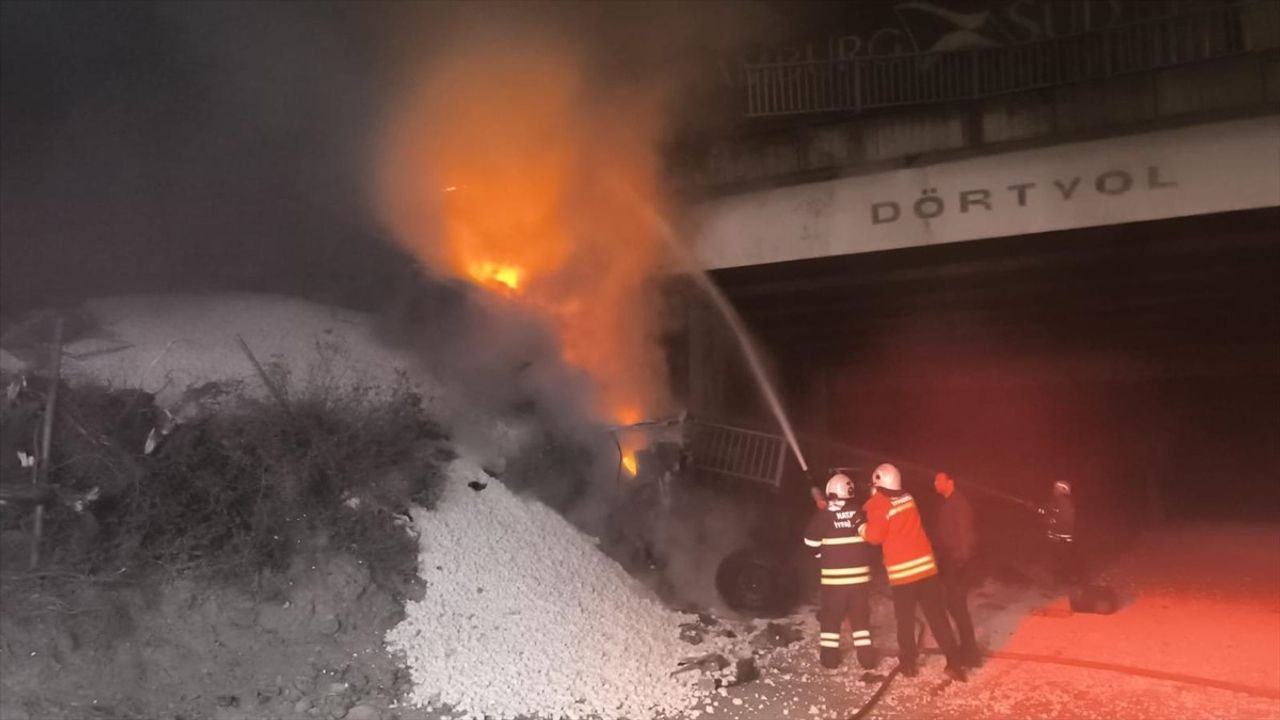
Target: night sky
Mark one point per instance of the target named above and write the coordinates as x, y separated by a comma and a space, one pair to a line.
162, 147
185, 146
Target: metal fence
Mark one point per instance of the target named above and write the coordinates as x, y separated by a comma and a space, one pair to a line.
863, 83
736, 453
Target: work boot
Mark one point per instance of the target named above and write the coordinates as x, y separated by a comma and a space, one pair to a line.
972, 658
867, 657
829, 657
955, 672
908, 669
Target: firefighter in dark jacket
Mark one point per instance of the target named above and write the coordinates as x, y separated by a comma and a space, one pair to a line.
846, 574
956, 542
1060, 529
893, 522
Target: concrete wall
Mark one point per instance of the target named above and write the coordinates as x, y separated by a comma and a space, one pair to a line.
1237, 86
1200, 169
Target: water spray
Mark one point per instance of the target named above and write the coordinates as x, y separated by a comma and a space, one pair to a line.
734, 320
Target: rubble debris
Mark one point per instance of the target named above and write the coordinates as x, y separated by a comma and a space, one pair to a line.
692, 633
711, 662
745, 671
776, 635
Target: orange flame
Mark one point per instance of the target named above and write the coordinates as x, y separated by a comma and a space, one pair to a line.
505, 168
629, 463
487, 273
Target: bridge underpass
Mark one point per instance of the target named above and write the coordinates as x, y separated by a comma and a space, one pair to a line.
1139, 361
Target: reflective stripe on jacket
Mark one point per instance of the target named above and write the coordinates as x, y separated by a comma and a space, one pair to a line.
845, 557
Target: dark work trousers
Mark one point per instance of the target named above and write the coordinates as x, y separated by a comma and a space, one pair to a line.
1064, 558
957, 580
836, 604
929, 595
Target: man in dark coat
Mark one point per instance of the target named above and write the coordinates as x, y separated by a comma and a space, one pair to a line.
956, 541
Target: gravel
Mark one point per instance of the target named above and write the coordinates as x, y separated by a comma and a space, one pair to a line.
523, 616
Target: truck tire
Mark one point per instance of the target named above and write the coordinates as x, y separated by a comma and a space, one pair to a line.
758, 583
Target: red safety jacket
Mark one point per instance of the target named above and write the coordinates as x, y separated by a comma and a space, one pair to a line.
893, 521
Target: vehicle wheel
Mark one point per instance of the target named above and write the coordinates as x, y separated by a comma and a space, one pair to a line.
758, 583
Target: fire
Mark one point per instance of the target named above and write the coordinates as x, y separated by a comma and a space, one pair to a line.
487, 273
505, 167
629, 463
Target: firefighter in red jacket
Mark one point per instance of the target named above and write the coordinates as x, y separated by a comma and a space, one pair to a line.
893, 522
846, 574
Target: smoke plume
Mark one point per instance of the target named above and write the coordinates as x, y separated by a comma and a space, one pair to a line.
504, 166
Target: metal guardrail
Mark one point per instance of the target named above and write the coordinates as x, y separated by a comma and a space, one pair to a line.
863, 83
736, 452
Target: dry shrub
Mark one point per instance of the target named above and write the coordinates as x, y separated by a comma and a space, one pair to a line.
236, 494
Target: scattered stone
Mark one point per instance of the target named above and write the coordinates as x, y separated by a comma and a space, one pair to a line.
363, 712
776, 635
329, 624
706, 685
334, 706
746, 671
302, 705
265, 695
692, 633
336, 688
709, 663
227, 701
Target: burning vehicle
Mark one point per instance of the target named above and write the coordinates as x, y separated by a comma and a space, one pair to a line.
691, 469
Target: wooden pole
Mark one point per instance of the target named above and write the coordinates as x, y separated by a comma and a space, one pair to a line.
275, 391
46, 439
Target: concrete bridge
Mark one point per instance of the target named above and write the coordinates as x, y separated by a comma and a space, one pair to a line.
1083, 277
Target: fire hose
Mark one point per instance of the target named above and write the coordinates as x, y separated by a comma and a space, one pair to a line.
968, 484
884, 684
1254, 691
1261, 692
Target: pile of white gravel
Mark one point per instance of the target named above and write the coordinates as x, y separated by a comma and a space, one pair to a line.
523, 616
165, 344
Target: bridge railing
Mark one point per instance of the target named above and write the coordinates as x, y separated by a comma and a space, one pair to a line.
864, 83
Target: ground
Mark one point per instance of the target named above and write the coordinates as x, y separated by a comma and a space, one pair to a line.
1202, 603
1198, 635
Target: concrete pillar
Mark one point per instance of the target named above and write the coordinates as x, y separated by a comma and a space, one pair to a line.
706, 347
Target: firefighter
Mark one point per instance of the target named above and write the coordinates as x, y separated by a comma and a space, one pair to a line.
1060, 529
893, 522
846, 574
957, 541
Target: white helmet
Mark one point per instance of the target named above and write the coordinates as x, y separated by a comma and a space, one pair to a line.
887, 477
840, 486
